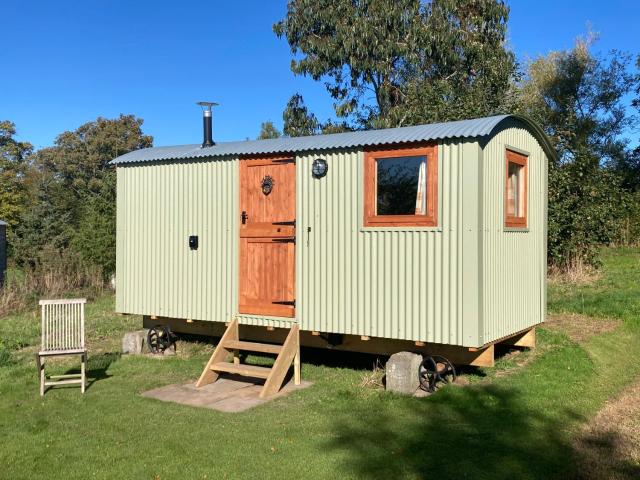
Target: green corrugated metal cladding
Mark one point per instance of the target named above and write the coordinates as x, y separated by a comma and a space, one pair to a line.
466, 282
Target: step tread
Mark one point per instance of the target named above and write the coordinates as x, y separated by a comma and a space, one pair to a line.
242, 369
253, 346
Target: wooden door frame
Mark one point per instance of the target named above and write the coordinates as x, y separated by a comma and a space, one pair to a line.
283, 312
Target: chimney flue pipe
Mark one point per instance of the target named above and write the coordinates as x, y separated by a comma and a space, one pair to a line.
207, 123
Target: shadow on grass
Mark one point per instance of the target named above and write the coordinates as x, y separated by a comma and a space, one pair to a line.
97, 366
475, 432
603, 455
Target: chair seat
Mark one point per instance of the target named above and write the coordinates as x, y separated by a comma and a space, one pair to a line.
74, 351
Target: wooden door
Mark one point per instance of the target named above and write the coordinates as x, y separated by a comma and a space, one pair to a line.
267, 236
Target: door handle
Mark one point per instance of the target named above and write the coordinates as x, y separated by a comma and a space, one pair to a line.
244, 217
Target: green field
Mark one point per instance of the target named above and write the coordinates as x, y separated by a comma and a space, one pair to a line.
518, 420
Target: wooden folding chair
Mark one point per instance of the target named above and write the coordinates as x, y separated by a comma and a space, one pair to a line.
62, 335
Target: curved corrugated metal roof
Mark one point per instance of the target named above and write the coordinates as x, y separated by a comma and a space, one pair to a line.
478, 127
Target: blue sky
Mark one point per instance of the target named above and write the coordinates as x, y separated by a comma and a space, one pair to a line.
68, 62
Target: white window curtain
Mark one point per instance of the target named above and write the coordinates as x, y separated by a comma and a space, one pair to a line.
421, 197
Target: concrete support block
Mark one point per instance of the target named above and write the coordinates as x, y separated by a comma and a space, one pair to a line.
134, 342
402, 372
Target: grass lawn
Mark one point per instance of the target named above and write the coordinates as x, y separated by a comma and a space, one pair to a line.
519, 420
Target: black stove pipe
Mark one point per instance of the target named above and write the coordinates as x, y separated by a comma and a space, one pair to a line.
207, 129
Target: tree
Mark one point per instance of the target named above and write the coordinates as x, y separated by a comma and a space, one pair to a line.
298, 121
630, 171
44, 224
74, 205
439, 60
579, 100
334, 127
79, 160
636, 101
268, 130
630, 167
462, 67
14, 169
95, 237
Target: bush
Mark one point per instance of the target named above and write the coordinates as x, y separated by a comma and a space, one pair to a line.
629, 227
95, 236
55, 273
586, 210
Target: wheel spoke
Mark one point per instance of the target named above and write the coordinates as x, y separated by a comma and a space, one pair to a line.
433, 370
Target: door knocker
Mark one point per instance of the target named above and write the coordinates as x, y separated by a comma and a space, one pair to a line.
267, 184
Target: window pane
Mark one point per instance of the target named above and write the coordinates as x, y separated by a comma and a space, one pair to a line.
401, 186
513, 190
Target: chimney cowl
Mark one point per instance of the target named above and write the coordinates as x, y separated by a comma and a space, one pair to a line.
207, 123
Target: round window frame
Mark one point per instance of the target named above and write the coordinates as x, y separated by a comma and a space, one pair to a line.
319, 163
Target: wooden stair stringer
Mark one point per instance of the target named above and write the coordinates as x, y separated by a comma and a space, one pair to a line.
290, 352
230, 344
220, 354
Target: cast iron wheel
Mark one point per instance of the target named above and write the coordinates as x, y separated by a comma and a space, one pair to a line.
433, 370
159, 338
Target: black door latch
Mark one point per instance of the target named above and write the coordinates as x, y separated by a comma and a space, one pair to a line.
244, 217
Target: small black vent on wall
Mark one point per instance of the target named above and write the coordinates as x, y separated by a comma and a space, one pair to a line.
193, 242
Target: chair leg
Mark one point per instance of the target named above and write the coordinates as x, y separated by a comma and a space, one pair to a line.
83, 373
42, 375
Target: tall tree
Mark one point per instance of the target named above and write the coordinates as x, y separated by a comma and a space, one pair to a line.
76, 190
335, 127
461, 67
631, 167
298, 121
44, 224
268, 130
14, 168
630, 171
79, 159
390, 63
579, 99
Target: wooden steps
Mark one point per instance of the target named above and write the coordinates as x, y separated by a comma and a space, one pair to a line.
253, 347
244, 370
229, 346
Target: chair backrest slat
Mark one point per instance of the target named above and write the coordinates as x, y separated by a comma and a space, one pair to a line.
62, 324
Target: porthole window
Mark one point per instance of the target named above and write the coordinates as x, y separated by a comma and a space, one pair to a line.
319, 168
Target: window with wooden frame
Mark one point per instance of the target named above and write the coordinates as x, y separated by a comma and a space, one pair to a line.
401, 187
516, 190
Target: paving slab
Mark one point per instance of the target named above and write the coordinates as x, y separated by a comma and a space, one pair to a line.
230, 393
